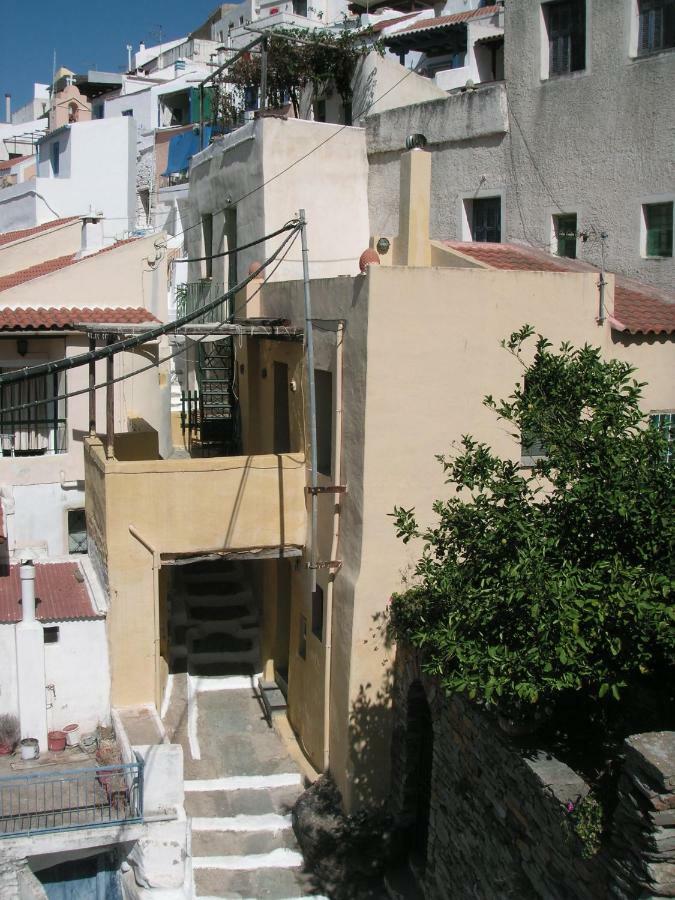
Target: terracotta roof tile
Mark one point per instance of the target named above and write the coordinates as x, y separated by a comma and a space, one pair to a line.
51, 265
380, 26
39, 318
639, 308
10, 163
10, 236
455, 19
59, 593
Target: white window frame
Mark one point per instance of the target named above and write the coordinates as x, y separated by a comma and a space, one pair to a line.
544, 55
648, 201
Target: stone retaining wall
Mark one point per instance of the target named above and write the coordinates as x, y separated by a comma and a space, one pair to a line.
499, 825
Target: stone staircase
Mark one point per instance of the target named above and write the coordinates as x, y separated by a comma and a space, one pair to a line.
240, 782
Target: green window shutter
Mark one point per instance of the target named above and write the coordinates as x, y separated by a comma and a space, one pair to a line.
566, 234
659, 226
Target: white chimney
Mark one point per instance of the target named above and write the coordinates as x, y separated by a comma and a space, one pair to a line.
92, 235
30, 663
8, 109
27, 575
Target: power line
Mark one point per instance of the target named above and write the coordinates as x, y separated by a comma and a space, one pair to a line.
163, 359
82, 359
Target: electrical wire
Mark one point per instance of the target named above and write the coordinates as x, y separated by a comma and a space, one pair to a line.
233, 250
153, 365
82, 359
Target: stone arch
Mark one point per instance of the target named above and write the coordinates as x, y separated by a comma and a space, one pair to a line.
419, 754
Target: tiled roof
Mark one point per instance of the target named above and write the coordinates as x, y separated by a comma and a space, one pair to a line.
41, 318
639, 308
49, 266
380, 26
455, 19
60, 594
10, 163
10, 236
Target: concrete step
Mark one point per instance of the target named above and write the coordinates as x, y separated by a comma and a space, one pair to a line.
260, 883
218, 843
233, 803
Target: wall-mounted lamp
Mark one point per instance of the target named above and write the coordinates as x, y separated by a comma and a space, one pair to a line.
22, 346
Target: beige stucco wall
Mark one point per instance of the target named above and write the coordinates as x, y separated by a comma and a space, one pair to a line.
421, 350
183, 506
36, 248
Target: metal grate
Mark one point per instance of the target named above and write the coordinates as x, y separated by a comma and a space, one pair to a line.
76, 798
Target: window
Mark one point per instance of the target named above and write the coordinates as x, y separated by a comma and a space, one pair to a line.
300, 7
127, 112
347, 112
320, 111
656, 25
207, 232
485, 219
658, 219
565, 231
317, 613
50, 634
77, 531
98, 111
323, 385
532, 446
241, 20
31, 422
566, 28
54, 151
302, 642
665, 421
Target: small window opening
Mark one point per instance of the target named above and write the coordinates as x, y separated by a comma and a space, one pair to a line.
485, 215
51, 634
323, 382
565, 228
77, 531
656, 25
659, 229
566, 27
317, 613
302, 642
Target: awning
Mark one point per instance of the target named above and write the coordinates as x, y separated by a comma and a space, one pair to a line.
182, 147
434, 40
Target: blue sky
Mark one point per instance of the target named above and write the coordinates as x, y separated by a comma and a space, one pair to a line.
83, 34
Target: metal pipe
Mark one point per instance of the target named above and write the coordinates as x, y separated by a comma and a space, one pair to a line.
263, 74
110, 406
602, 282
339, 354
27, 576
92, 390
309, 338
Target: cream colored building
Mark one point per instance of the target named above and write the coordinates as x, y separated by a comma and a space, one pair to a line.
404, 354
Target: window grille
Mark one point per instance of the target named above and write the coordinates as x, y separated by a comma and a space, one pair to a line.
659, 228
40, 428
665, 421
486, 220
656, 25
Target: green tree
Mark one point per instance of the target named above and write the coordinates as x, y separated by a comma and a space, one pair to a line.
556, 577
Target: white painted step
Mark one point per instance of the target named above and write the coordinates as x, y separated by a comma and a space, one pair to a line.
245, 782
281, 858
269, 822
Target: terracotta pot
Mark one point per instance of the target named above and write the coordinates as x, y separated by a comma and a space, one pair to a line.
56, 741
6, 750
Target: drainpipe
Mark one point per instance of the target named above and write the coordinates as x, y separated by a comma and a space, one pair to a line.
309, 337
334, 549
602, 283
156, 563
30, 663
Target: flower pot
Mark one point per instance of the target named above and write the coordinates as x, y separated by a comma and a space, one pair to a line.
72, 733
56, 741
30, 748
6, 750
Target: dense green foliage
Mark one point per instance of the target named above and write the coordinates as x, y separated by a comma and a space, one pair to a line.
296, 59
557, 577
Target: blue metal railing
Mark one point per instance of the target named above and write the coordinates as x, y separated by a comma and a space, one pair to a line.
72, 798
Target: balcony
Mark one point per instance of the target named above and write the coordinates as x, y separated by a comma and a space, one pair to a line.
72, 798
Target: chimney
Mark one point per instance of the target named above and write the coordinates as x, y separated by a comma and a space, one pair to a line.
27, 575
413, 248
30, 663
92, 235
8, 109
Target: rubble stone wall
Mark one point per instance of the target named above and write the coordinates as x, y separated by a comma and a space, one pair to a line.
499, 824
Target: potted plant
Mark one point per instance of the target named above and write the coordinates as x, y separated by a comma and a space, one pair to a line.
9, 733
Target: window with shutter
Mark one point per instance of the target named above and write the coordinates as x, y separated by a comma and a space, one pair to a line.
656, 25
565, 229
486, 220
659, 229
665, 422
566, 26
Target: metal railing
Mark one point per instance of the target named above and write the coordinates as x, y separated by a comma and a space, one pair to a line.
76, 798
195, 294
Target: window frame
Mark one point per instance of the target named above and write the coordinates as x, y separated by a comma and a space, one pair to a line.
556, 239
656, 200
668, 425
545, 48
637, 11
468, 202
